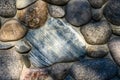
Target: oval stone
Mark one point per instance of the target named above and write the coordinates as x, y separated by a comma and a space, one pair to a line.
6, 45
115, 29
35, 15
56, 11
20, 4
57, 2
96, 33
8, 8
114, 46
94, 69
12, 30
97, 3
78, 12
112, 11
56, 42
97, 51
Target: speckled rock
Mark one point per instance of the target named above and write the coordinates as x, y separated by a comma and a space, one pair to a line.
20, 4
8, 8
57, 2
60, 70
97, 3
22, 46
112, 11
114, 45
10, 65
35, 15
96, 33
78, 12
97, 51
97, 14
94, 69
55, 42
56, 11
115, 29
12, 30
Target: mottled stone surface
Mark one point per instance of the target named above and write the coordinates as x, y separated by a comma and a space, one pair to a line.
96, 33
97, 51
57, 2
35, 15
97, 3
10, 65
55, 42
20, 4
114, 46
8, 8
12, 30
78, 12
112, 11
56, 11
60, 70
94, 69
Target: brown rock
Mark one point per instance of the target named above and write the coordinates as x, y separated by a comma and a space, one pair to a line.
12, 30
35, 15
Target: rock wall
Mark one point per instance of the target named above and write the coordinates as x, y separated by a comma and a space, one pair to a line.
59, 39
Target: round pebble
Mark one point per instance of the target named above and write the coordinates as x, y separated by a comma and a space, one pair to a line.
35, 15
78, 12
8, 8
12, 30
56, 11
97, 51
96, 33
112, 11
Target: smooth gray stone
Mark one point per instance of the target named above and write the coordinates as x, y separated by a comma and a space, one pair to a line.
55, 42
5, 45
94, 69
8, 8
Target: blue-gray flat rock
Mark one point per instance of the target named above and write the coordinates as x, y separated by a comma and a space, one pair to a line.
55, 42
6, 45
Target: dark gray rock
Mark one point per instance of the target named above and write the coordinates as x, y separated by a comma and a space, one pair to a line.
97, 3
57, 2
69, 78
56, 11
60, 70
116, 78
112, 11
78, 12
97, 51
55, 42
96, 33
94, 69
114, 47
8, 8
97, 14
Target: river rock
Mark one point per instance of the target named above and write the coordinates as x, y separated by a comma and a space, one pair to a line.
97, 3
35, 15
112, 11
114, 45
56, 11
57, 2
115, 29
97, 14
22, 46
8, 8
10, 65
12, 30
69, 78
96, 33
55, 42
94, 69
97, 51
78, 12
20, 4
6, 45
60, 70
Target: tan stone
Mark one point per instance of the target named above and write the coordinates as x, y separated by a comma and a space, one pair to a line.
35, 15
12, 30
